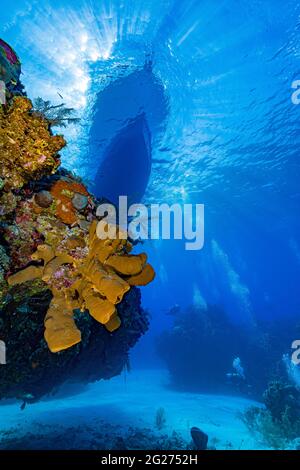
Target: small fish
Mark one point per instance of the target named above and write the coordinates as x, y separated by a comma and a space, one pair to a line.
26, 398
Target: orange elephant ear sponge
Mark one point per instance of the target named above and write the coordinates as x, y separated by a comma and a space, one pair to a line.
64, 192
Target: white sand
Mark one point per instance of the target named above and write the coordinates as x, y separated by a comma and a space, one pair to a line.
133, 400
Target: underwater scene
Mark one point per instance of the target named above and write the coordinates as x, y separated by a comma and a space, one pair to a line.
149, 225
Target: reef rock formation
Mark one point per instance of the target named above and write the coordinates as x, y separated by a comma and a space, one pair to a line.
63, 290
28, 150
200, 438
10, 71
32, 370
200, 347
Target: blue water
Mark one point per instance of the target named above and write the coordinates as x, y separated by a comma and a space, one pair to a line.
213, 82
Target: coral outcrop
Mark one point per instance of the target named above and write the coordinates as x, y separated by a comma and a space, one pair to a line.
63, 290
278, 423
10, 66
10, 71
28, 150
32, 370
203, 338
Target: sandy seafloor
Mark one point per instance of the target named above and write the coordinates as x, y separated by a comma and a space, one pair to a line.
126, 401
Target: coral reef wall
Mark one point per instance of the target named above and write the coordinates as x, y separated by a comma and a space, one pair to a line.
69, 308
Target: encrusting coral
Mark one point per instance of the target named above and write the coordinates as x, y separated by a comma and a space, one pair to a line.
28, 149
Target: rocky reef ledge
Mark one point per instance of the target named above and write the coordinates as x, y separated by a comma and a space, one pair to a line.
69, 305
